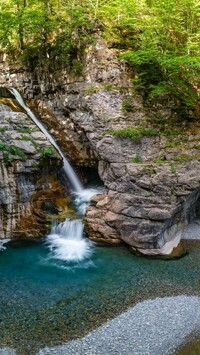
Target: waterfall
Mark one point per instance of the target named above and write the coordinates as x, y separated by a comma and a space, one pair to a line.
66, 241
71, 175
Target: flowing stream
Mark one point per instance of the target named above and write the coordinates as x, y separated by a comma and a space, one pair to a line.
44, 303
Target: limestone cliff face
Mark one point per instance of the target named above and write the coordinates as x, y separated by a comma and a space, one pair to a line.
151, 184
28, 169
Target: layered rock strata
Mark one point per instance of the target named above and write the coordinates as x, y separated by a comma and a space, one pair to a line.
151, 183
28, 177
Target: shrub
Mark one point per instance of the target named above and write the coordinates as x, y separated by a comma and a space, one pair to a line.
134, 133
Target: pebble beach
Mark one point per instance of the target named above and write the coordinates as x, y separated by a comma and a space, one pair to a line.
157, 326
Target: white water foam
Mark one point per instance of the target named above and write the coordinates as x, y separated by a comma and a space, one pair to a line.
82, 198
67, 243
3, 242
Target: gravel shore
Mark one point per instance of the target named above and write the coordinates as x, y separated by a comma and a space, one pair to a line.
152, 327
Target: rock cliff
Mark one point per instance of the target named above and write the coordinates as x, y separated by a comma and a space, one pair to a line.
28, 176
152, 184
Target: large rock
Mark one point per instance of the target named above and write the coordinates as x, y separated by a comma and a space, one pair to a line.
150, 218
151, 185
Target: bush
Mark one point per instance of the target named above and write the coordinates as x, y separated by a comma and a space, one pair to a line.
134, 133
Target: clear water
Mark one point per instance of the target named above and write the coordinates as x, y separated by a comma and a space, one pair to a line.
45, 301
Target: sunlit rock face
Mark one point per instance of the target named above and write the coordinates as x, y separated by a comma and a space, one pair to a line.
28, 177
150, 183
150, 217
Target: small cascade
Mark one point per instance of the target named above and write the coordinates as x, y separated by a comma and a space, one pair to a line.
71, 175
82, 199
66, 242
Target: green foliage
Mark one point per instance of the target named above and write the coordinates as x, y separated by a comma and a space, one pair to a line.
10, 152
41, 31
77, 67
35, 144
47, 152
25, 138
108, 87
158, 161
164, 50
3, 129
137, 159
127, 105
160, 39
25, 130
172, 167
132, 132
3, 146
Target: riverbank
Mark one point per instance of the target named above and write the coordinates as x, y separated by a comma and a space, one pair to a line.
157, 326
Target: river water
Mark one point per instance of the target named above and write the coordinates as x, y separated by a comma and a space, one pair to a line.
45, 301
63, 286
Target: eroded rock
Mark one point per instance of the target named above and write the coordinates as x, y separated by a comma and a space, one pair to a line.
152, 184
28, 177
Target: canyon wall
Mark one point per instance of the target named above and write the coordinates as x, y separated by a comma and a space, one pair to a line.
30, 192
151, 181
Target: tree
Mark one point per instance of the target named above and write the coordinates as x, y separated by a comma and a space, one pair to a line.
165, 50
160, 39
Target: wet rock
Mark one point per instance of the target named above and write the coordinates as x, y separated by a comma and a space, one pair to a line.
27, 177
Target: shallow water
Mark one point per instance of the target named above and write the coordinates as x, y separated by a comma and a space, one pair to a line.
45, 301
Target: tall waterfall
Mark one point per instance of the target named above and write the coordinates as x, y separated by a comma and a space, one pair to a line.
73, 178
66, 241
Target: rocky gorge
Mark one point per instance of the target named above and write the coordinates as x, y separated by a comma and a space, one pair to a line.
147, 158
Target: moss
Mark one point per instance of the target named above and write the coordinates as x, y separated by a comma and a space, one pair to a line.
35, 144
158, 161
25, 138
25, 130
106, 87
137, 159
47, 152
135, 133
172, 167
10, 152
127, 105
185, 157
3, 129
